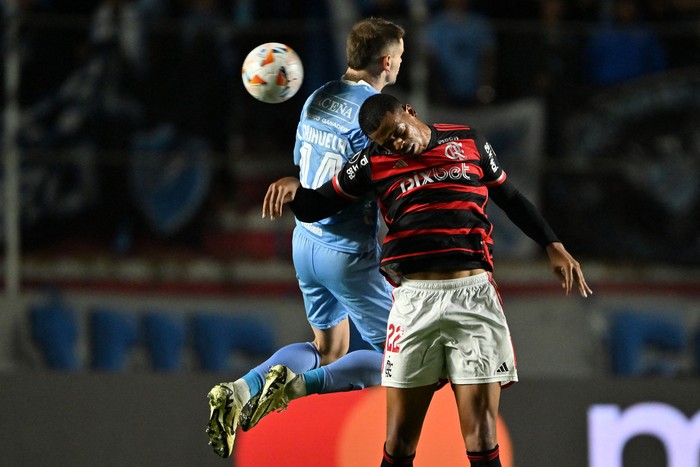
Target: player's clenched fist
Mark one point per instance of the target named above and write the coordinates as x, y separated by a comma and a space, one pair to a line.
278, 194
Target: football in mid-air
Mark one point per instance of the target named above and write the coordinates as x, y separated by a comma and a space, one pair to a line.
272, 72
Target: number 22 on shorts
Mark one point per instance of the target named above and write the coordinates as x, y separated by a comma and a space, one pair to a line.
395, 332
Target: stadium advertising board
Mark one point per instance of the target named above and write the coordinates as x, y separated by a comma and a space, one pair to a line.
606, 423
576, 422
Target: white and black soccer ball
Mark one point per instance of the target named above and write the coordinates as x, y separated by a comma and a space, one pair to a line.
272, 72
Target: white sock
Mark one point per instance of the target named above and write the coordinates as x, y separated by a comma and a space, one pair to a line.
296, 388
241, 391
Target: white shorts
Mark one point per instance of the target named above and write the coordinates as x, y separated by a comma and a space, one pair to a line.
448, 328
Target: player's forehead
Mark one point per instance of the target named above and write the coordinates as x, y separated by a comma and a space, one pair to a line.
389, 125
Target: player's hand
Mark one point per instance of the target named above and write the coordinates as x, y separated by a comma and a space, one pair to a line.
278, 194
567, 269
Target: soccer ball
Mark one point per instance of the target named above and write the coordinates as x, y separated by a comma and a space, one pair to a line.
272, 72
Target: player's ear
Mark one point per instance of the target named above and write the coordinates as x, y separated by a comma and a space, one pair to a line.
386, 62
408, 108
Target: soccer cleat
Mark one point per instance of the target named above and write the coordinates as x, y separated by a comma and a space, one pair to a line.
271, 398
223, 418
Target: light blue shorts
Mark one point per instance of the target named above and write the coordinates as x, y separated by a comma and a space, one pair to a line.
336, 285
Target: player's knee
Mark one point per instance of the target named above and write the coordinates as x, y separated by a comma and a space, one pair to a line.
331, 351
332, 354
400, 446
481, 435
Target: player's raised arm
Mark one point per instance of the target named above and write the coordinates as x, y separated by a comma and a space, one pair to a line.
278, 194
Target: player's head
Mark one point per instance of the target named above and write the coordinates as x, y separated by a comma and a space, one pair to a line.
386, 121
376, 45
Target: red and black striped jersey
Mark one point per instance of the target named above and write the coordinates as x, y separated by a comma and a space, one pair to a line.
434, 204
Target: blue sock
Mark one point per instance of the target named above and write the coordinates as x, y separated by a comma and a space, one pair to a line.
299, 357
356, 370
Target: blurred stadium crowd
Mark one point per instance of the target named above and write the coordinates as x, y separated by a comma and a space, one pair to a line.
117, 93
136, 137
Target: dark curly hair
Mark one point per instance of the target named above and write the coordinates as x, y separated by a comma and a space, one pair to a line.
373, 110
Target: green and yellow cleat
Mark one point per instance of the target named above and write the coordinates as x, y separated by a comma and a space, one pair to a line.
271, 398
223, 419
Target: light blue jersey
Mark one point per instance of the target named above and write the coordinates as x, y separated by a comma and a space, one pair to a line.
337, 259
327, 136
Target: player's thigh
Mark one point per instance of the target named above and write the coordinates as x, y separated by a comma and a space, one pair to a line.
356, 282
323, 311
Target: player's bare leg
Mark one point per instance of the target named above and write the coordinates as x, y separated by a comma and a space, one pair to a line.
478, 411
406, 409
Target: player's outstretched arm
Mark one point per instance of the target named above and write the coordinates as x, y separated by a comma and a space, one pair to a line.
567, 269
278, 194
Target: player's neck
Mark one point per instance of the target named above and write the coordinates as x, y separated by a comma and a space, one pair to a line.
361, 75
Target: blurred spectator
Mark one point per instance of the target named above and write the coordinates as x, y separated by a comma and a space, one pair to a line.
659, 11
389, 9
45, 51
544, 58
97, 101
678, 24
623, 49
585, 10
206, 72
555, 50
507, 9
242, 13
543, 61
462, 48
108, 83
118, 25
